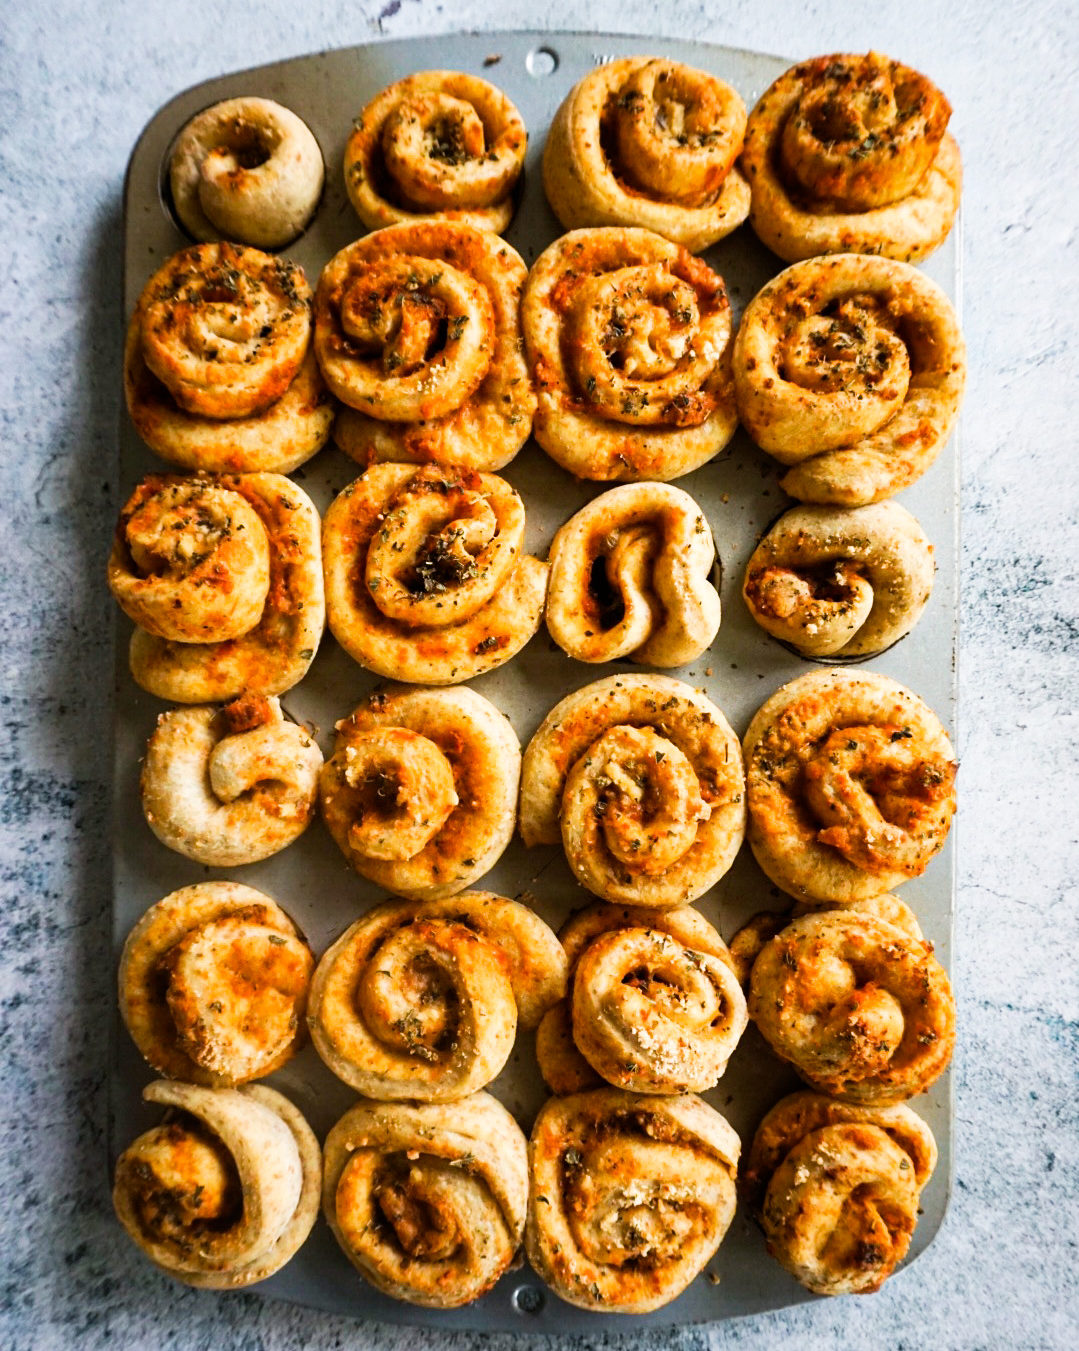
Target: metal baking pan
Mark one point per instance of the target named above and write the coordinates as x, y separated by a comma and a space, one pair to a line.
740, 496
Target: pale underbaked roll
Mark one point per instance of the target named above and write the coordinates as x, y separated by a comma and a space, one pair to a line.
628, 341
645, 141
655, 1003
849, 154
426, 580
631, 1196
421, 999
218, 368
836, 582
229, 785
836, 1189
437, 143
641, 778
418, 331
223, 1193
861, 1010
213, 984
851, 370
428, 1200
631, 577
851, 785
420, 792
246, 169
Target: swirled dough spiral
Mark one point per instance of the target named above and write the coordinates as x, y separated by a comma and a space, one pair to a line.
428, 1200
246, 169
631, 1196
628, 341
836, 582
630, 577
421, 999
418, 331
226, 1190
213, 984
849, 154
851, 370
426, 580
437, 143
641, 778
229, 785
836, 1189
862, 1011
219, 373
420, 792
851, 785
644, 141
222, 575
655, 1007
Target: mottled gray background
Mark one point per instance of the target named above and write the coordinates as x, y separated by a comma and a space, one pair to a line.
78, 82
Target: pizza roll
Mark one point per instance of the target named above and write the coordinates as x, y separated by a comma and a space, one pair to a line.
645, 141
225, 1191
218, 369
849, 154
631, 577
641, 778
627, 338
213, 984
851, 370
831, 581
222, 576
630, 1196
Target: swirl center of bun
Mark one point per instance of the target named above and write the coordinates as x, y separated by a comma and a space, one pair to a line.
185, 1182
404, 792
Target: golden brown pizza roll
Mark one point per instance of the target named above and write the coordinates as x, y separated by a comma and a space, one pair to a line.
418, 331
645, 141
426, 578
420, 792
851, 785
213, 984
848, 582
421, 999
641, 778
229, 785
218, 369
849, 154
836, 1189
437, 143
851, 370
225, 1191
654, 1006
222, 576
631, 577
628, 340
863, 1011
630, 1197
246, 169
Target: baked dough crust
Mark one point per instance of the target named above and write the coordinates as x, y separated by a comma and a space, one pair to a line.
850, 780
851, 369
421, 999
840, 582
849, 154
213, 984
439, 143
631, 1196
428, 1200
650, 142
225, 1194
628, 339
654, 601
641, 778
836, 1189
426, 580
